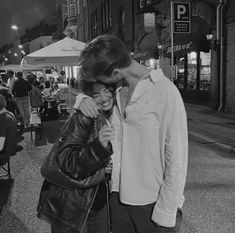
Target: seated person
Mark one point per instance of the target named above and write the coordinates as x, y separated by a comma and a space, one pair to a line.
7, 133
11, 104
57, 93
47, 89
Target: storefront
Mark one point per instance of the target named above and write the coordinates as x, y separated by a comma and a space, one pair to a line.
147, 52
192, 56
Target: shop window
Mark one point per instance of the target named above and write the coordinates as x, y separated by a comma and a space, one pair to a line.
180, 73
205, 71
192, 71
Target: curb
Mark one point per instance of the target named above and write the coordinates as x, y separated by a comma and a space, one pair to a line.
203, 138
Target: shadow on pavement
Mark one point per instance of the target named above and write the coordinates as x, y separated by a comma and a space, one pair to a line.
10, 223
6, 187
209, 186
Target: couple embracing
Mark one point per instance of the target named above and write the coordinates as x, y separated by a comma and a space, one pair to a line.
123, 160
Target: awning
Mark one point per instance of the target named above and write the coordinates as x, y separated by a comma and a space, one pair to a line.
194, 41
147, 47
70, 30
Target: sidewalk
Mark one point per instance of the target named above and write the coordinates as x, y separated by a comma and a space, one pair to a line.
212, 127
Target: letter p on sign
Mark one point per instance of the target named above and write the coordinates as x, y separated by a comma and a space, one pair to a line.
181, 11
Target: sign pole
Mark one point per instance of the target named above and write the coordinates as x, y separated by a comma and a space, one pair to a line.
172, 41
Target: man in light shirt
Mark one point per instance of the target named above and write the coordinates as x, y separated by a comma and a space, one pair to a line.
151, 145
11, 79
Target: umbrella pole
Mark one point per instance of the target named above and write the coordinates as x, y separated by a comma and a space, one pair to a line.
70, 98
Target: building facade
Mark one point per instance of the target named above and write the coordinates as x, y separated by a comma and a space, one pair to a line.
203, 59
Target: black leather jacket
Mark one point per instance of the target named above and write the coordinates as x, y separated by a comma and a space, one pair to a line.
67, 208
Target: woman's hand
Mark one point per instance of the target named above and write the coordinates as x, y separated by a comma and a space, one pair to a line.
109, 167
106, 134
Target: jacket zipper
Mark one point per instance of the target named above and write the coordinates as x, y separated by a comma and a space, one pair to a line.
108, 206
89, 210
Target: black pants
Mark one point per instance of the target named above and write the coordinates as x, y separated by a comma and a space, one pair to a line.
137, 219
96, 223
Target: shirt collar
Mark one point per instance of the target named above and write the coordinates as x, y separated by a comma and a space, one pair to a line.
155, 75
3, 111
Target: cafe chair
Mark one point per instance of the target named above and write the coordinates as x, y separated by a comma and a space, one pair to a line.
5, 170
62, 108
35, 122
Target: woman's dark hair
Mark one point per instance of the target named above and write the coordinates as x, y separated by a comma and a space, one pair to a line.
36, 83
47, 84
86, 87
102, 55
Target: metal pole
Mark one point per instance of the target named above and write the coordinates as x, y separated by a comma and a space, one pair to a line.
172, 41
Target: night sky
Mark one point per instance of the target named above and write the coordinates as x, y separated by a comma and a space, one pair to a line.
25, 14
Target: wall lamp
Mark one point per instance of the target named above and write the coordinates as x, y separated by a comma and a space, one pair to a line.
209, 36
159, 46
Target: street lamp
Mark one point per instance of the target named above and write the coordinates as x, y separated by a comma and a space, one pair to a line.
14, 27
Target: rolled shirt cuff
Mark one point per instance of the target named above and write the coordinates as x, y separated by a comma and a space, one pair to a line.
163, 217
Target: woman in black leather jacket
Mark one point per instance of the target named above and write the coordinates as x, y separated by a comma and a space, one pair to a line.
84, 208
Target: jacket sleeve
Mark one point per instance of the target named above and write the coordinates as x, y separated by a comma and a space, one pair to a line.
79, 159
79, 99
175, 161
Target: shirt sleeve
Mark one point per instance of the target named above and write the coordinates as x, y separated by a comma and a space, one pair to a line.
175, 161
79, 99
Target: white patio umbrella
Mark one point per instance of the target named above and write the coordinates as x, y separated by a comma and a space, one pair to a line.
65, 52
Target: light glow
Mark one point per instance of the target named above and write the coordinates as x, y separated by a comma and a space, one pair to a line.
14, 27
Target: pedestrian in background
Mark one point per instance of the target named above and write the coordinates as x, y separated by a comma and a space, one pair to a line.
11, 79
151, 146
21, 90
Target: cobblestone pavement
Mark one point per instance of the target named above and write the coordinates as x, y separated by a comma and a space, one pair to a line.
209, 192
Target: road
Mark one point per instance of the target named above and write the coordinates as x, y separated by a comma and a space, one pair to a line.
209, 192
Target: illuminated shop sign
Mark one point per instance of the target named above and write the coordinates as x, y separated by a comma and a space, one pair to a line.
146, 3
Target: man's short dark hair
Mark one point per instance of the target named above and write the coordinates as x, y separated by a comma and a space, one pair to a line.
10, 72
19, 74
102, 55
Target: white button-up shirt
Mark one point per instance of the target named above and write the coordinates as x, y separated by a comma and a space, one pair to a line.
151, 148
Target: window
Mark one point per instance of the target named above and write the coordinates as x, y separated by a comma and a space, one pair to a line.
106, 15
72, 8
94, 23
64, 12
78, 6
84, 3
102, 17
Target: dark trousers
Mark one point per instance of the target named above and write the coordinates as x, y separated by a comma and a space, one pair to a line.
137, 219
97, 222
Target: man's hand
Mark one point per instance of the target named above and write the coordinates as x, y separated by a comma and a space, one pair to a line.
106, 134
89, 108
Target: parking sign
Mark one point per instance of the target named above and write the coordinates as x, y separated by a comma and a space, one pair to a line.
182, 17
